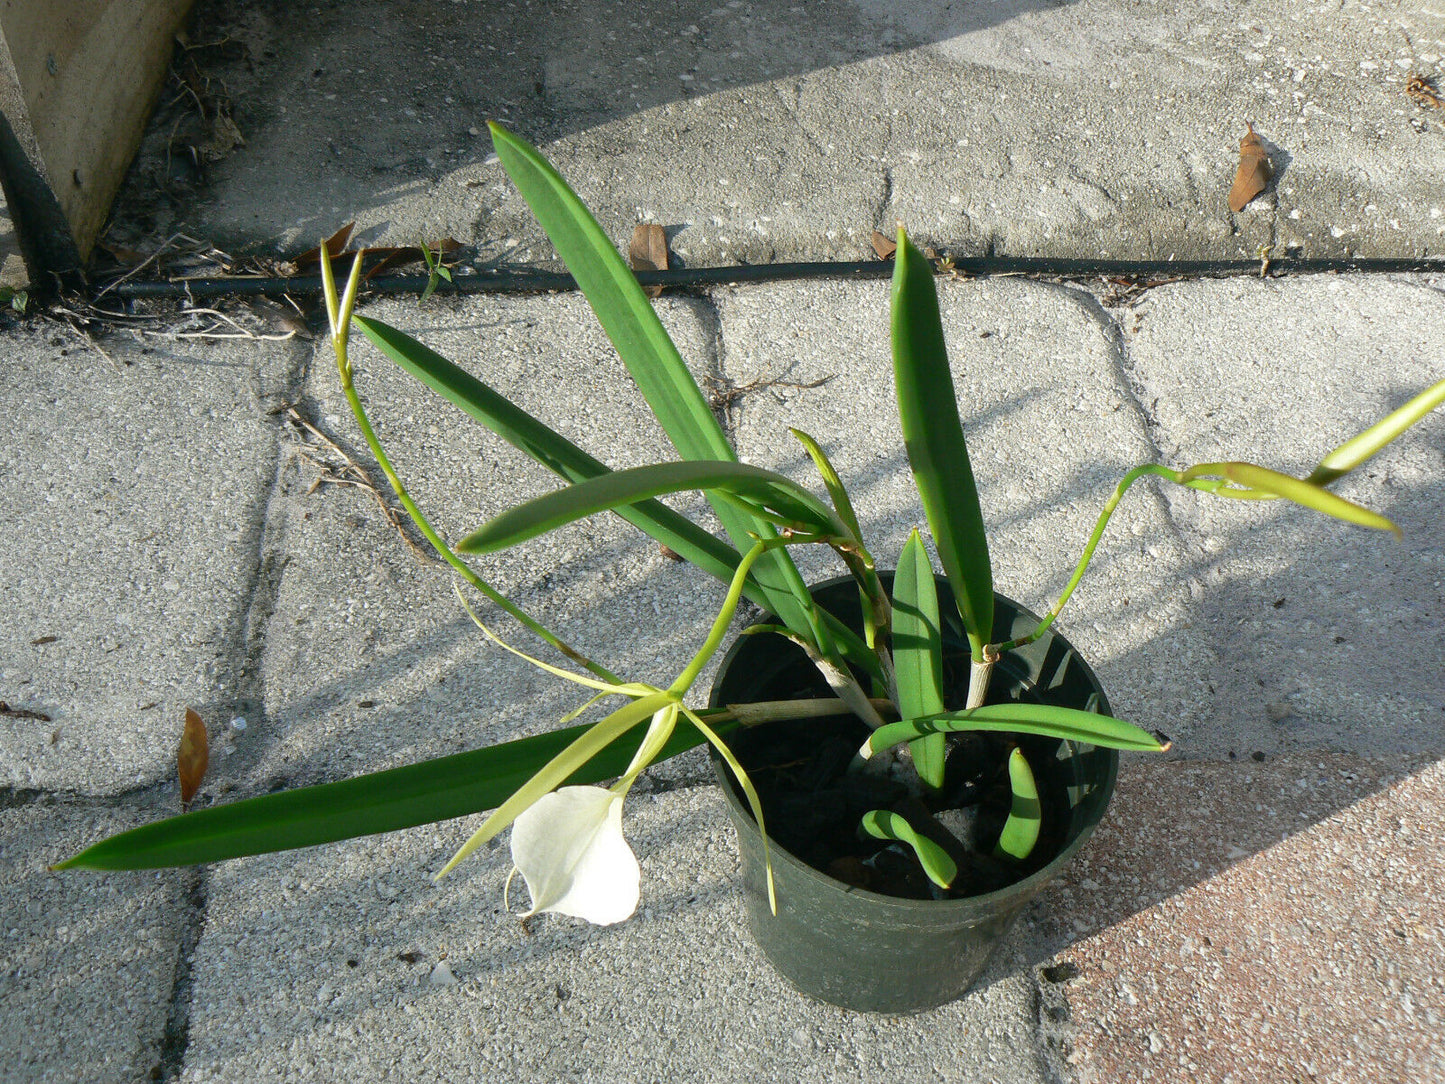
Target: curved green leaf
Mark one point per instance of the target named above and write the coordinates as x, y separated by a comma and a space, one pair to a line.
839, 495
433, 790
770, 493
928, 409
918, 654
558, 454
1021, 830
1047, 720
885, 824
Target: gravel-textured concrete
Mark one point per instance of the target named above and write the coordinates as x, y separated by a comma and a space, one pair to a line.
132, 496
765, 131
1261, 907
355, 656
335, 954
88, 963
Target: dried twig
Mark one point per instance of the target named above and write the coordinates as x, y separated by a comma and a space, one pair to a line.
214, 332
723, 393
1126, 291
152, 258
361, 479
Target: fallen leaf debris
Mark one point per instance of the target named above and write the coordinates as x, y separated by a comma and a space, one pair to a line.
1253, 174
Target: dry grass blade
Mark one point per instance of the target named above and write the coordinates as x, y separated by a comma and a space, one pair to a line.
217, 329
360, 478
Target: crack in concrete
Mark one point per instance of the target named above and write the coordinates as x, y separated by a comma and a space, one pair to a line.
176, 1038
244, 674
1053, 1025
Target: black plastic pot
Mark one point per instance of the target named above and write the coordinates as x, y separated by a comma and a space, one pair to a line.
861, 950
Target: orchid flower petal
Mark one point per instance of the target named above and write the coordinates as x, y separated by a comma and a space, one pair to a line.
570, 850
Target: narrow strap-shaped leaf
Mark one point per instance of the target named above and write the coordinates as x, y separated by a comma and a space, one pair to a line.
545, 445
885, 824
1047, 720
1021, 830
557, 453
839, 495
918, 654
433, 790
622, 308
766, 489
629, 321
933, 436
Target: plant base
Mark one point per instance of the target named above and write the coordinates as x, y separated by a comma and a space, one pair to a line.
868, 951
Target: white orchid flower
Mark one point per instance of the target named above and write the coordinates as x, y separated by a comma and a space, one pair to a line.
569, 848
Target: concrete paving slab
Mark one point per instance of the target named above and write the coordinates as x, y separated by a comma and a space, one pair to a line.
369, 660
1253, 922
312, 965
757, 132
131, 497
88, 963
1335, 636
1052, 427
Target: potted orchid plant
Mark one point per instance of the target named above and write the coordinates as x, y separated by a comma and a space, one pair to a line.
969, 750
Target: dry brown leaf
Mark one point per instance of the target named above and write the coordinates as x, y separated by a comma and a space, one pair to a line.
883, 245
648, 252
1252, 176
335, 245
194, 756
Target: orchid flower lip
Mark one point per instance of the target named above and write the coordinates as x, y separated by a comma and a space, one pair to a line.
570, 850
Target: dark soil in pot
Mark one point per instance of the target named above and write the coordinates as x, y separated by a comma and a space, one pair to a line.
812, 806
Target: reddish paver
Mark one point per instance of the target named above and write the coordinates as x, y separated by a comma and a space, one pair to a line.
1271, 922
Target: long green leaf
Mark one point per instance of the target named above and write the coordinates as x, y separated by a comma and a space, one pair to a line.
836, 492
928, 409
557, 453
546, 446
772, 493
433, 790
918, 654
1021, 830
1046, 720
628, 318
556, 771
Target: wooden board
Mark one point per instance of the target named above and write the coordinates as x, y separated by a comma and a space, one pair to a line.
78, 79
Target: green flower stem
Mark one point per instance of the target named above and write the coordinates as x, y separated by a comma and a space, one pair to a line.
724, 617
1191, 479
339, 314
1098, 533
